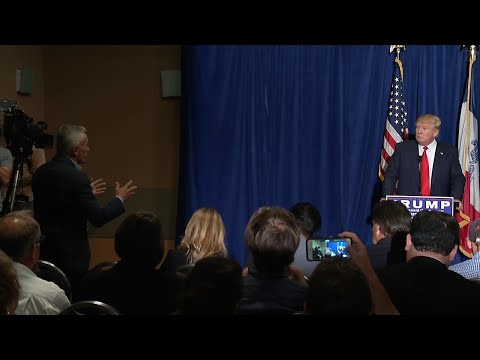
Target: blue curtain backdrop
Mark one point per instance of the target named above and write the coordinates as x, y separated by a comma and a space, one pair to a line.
274, 125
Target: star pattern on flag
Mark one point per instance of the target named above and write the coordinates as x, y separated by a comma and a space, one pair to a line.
396, 127
398, 110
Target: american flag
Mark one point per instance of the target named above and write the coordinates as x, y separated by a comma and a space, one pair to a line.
468, 157
396, 127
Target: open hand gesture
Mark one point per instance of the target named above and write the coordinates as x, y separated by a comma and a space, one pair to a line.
98, 186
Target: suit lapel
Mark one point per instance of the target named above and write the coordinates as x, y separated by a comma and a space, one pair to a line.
416, 169
438, 164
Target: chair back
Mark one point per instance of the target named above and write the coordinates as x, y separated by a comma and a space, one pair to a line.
184, 270
104, 265
50, 272
90, 307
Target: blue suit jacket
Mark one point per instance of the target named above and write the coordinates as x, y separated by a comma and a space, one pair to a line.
447, 177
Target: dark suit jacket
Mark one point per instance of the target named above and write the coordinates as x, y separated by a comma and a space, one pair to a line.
63, 202
378, 253
388, 251
447, 177
132, 289
425, 286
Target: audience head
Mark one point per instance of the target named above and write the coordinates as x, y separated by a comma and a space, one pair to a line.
20, 237
204, 235
138, 239
214, 286
474, 231
9, 287
272, 237
390, 218
433, 232
72, 140
337, 286
307, 217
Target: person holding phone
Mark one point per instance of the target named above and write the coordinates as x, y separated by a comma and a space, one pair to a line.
382, 303
338, 287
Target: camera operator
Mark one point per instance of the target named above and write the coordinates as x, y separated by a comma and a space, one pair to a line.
24, 195
6, 164
25, 141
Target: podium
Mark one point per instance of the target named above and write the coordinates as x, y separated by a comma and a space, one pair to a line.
416, 204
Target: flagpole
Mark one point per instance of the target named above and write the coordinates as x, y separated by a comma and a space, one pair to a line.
398, 48
471, 60
395, 130
467, 138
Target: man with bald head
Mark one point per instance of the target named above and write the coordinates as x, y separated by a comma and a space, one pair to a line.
20, 240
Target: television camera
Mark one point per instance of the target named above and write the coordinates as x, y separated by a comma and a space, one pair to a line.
21, 134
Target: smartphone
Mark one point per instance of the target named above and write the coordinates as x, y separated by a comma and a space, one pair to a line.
321, 248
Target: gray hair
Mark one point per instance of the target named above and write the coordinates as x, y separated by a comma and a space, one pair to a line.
18, 232
69, 136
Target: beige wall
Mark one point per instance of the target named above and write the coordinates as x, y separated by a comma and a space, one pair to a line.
115, 92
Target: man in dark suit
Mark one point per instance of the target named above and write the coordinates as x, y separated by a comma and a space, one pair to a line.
65, 200
445, 174
391, 222
424, 285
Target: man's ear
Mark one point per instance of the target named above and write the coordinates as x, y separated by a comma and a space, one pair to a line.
452, 254
75, 150
377, 233
408, 244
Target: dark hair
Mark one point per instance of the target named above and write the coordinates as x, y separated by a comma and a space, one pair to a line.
214, 286
392, 217
139, 239
474, 229
272, 237
307, 217
435, 231
338, 287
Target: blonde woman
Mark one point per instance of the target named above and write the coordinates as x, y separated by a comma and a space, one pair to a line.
204, 236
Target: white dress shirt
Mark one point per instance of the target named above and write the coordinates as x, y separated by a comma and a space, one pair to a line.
38, 296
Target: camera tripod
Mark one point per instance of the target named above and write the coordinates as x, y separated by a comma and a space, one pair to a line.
17, 173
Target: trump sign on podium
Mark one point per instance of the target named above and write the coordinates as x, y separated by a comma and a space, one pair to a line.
416, 204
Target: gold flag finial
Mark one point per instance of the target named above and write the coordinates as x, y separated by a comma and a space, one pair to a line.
472, 50
398, 48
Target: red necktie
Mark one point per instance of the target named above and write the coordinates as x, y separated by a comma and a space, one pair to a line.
424, 174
